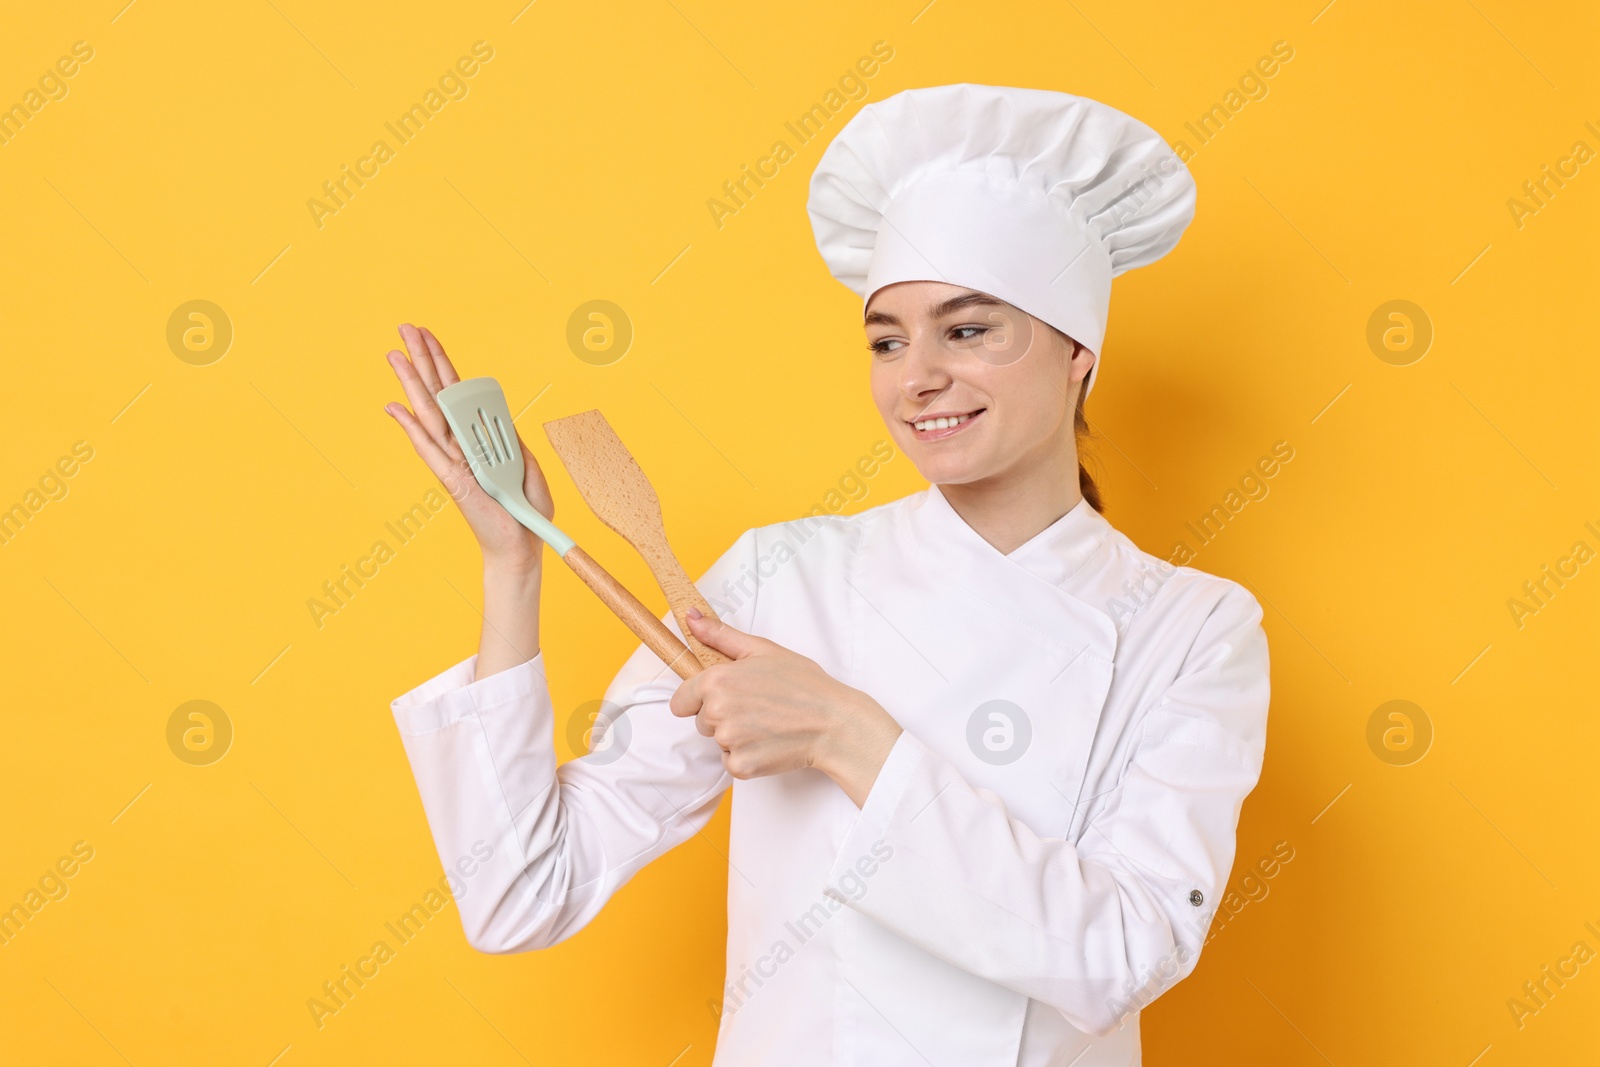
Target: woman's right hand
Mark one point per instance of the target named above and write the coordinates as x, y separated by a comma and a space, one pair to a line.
505, 542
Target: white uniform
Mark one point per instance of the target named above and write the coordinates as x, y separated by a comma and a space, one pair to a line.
1038, 858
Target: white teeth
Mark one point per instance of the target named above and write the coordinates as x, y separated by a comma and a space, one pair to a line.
940, 424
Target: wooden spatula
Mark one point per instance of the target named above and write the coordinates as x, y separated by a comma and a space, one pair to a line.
616, 490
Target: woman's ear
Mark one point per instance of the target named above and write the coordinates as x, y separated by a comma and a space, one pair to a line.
1081, 356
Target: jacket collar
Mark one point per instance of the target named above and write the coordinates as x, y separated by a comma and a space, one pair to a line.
1054, 555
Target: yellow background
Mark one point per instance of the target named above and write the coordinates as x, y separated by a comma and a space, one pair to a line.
178, 566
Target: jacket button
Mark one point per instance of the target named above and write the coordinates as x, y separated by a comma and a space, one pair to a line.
1196, 898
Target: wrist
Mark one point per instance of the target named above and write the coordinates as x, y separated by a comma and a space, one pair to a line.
856, 748
513, 570
510, 615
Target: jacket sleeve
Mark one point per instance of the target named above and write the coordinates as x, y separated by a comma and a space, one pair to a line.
533, 850
1099, 927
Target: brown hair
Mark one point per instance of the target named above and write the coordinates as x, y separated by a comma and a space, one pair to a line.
1086, 484
1082, 433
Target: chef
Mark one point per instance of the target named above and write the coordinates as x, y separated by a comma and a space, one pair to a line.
987, 755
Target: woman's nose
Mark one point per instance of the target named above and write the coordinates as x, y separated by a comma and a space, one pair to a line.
924, 369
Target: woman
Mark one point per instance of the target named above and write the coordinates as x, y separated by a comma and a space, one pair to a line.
987, 755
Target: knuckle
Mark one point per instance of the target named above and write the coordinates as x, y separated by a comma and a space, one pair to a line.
720, 678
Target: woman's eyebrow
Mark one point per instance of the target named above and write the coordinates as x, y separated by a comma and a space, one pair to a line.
955, 303
965, 300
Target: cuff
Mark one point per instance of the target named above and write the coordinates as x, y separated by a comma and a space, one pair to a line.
865, 836
452, 695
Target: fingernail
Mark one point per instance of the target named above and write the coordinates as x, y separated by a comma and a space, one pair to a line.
694, 613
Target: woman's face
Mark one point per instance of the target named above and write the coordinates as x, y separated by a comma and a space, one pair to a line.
970, 387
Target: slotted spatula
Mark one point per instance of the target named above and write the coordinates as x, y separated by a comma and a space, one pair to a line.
616, 489
481, 421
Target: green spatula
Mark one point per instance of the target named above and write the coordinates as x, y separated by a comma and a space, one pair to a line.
481, 421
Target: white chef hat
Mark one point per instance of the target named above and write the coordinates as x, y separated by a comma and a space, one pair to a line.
1035, 197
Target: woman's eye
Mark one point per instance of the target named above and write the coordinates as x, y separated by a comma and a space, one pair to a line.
968, 333
882, 347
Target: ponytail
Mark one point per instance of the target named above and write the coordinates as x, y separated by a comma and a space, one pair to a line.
1081, 433
1086, 485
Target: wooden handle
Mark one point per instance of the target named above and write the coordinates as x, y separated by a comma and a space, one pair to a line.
681, 596
645, 626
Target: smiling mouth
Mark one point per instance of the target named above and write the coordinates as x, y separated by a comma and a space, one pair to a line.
940, 427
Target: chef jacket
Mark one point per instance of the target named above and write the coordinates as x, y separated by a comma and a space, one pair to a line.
1038, 858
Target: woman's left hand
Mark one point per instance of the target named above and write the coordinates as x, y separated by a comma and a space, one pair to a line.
773, 710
